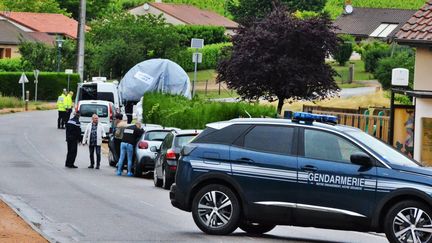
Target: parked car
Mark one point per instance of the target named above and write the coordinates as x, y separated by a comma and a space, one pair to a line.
103, 109
168, 155
145, 158
259, 173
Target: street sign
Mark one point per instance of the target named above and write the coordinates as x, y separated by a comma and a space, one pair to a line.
23, 79
36, 75
69, 71
197, 43
197, 57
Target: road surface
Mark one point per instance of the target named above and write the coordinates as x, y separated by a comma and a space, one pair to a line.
95, 205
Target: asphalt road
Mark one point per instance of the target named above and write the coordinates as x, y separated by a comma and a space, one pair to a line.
97, 206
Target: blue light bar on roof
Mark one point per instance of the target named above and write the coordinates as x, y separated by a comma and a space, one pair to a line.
309, 117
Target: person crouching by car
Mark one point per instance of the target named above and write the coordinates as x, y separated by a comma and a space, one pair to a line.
131, 135
93, 135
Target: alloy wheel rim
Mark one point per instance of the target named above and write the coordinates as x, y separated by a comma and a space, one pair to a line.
163, 178
412, 225
215, 209
154, 177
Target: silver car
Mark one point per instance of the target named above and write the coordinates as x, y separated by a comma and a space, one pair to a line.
144, 157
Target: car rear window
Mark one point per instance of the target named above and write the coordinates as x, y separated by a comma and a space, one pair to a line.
226, 135
155, 135
87, 110
182, 140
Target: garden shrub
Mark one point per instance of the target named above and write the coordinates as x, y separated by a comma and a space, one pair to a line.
210, 34
11, 65
345, 49
385, 66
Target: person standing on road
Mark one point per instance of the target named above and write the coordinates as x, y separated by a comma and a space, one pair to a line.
93, 137
61, 107
131, 134
73, 137
69, 105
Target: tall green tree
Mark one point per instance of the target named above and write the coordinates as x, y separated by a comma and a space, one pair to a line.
38, 6
94, 8
281, 57
120, 41
244, 10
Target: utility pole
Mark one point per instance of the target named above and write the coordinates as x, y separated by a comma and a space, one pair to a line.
81, 39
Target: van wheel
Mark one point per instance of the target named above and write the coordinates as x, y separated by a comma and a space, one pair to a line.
409, 221
256, 228
216, 210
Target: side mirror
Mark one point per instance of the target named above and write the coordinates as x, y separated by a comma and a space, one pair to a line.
361, 159
153, 149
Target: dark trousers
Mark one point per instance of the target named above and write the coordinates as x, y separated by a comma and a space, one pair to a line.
92, 149
72, 147
61, 120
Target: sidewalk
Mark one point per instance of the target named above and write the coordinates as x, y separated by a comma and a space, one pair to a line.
14, 229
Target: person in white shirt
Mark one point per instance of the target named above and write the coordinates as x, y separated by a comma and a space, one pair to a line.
93, 137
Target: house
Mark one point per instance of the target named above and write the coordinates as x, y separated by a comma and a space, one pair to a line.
11, 36
181, 14
380, 23
49, 23
417, 32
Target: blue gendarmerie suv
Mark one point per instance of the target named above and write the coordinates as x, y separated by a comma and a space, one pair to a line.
308, 171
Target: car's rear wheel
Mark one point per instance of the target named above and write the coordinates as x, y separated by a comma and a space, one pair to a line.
216, 210
409, 221
138, 168
256, 228
157, 182
166, 182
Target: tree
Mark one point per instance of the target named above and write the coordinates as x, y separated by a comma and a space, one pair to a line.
344, 50
244, 10
94, 8
38, 6
281, 56
122, 40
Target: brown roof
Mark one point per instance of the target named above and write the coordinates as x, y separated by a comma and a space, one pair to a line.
195, 16
418, 29
363, 21
12, 35
45, 22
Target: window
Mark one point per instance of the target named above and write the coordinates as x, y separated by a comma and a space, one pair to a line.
89, 110
156, 135
274, 139
106, 96
384, 30
180, 141
226, 135
326, 146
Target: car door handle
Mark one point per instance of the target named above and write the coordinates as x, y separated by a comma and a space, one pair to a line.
245, 160
309, 168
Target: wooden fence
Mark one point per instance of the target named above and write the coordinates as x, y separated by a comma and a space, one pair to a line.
377, 126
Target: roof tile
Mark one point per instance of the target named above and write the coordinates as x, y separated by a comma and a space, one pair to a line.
419, 27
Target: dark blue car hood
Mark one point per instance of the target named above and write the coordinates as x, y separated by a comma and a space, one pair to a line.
416, 170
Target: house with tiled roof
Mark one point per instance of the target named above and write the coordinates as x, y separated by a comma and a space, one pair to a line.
379, 23
182, 14
417, 32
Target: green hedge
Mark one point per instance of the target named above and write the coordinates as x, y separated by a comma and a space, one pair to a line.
177, 111
49, 87
211, 55
210, 34
11, 65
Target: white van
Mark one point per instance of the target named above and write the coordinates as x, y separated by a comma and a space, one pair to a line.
104, 109
99, 89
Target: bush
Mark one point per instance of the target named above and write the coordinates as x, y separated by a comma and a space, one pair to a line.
210, 34
345, 49
49, 87
372, 52
11, 65
211, 55
384, 68
178, 111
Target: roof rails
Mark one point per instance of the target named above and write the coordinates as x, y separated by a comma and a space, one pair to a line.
309, 118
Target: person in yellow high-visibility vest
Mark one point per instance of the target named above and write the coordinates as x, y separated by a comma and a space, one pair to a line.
61, 107
69, 104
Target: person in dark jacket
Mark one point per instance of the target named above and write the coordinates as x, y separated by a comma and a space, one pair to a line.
73, 137
131, 135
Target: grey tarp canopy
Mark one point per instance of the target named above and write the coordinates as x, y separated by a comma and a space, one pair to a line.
158, 75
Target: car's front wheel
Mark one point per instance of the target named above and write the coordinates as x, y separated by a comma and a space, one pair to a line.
157, 182
409, 221
166, 182
216, 210
256, 228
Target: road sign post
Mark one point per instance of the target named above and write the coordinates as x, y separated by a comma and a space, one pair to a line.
23, 79
196, 58
36, 81
68, 72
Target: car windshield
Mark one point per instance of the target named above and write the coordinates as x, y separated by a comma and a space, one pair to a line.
155, 135
387, 152
88, 110
182, 140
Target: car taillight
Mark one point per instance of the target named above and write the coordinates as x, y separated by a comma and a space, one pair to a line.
76, 107
173, 167
170, 154
110, 113
143, 145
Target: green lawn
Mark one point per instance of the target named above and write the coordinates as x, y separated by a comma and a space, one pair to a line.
359, 71
203, 75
